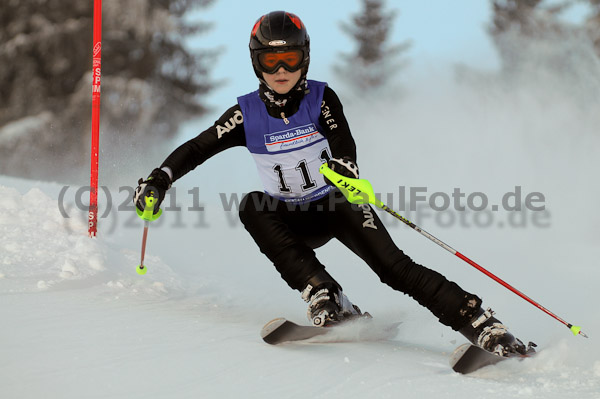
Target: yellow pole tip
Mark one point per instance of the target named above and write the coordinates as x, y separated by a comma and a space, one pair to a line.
576, 330
141, 270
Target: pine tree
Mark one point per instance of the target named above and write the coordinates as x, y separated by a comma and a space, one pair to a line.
511, 14
374, 63
593, 24
523, 30
150, 82
540, 53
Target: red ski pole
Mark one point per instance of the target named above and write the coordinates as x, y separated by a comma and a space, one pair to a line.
141, 269
147, 215
360, 191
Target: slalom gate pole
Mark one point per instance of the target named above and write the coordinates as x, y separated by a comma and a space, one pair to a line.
96, 70
147, 215
360, 191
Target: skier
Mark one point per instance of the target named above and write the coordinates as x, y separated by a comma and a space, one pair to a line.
291, 126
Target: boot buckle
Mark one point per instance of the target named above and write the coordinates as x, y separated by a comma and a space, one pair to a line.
485, 316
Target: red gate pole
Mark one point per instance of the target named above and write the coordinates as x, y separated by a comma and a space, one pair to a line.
96, 63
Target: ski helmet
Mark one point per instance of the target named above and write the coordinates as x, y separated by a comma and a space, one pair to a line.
279, 39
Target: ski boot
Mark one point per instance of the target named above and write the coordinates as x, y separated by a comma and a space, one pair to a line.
327, 304
487, 332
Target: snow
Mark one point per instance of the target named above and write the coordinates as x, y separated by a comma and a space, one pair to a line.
78, 322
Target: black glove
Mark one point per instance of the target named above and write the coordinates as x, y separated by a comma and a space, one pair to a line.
158, 182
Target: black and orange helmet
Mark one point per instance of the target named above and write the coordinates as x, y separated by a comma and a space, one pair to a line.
279, 39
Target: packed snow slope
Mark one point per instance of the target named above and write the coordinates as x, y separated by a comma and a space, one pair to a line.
78, 322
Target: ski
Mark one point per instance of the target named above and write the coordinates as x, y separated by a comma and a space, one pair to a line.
281, 330
468, 358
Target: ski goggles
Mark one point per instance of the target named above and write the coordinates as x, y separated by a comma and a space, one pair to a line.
271, 61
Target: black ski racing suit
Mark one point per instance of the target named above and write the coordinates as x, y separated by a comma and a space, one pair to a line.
287, 233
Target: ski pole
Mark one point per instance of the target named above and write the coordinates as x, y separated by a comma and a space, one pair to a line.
147, 215
360, 191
